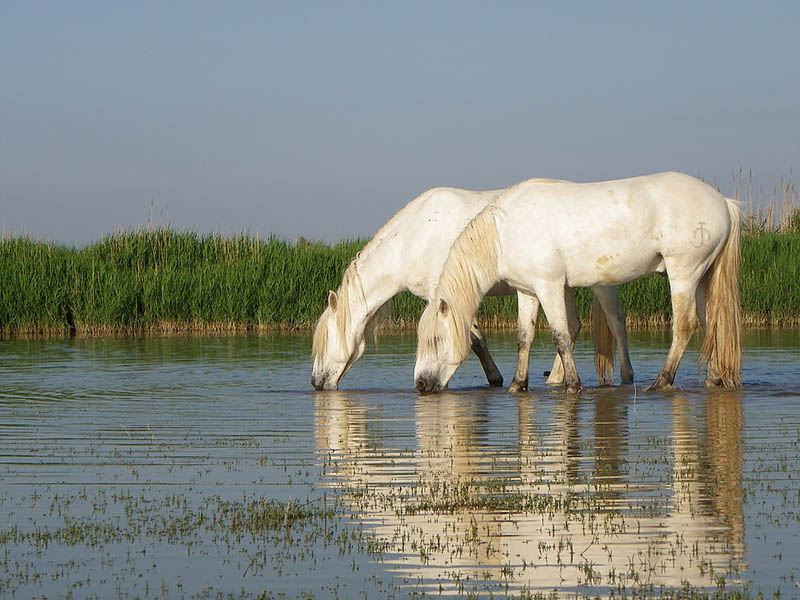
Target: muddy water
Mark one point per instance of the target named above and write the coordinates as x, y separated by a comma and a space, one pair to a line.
207, 467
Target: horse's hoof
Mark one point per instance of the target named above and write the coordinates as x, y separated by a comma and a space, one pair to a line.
660, 386
720, 383
714, 382
518, 386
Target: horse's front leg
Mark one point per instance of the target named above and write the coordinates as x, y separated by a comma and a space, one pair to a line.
555, 299
527, 311
556, 376
481, 350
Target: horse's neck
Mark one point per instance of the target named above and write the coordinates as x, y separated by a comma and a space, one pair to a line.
378, 276
369, 292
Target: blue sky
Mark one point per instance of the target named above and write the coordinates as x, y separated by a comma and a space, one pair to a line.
322, 119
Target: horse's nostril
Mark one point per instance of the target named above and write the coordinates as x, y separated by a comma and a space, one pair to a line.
427, 384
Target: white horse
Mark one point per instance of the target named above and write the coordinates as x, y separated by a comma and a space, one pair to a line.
545, 237
408, 253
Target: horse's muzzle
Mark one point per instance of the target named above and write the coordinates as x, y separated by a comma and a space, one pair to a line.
322, 382
427, 384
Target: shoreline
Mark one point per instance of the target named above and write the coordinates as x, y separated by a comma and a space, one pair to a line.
167, 330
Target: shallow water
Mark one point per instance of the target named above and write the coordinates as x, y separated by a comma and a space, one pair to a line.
146, 468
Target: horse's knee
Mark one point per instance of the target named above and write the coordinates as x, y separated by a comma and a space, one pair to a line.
561, 341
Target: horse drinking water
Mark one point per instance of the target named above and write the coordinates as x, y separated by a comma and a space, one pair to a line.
407, 253
543, 238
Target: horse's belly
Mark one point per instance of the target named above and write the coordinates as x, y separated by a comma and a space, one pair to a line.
501, 288
613, 269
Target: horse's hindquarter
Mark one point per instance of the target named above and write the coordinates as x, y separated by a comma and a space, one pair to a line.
606, 232
695, 220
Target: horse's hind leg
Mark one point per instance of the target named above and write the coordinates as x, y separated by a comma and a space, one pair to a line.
712, 375
527, 311
556, 376
684, 324
615, 317
481, 350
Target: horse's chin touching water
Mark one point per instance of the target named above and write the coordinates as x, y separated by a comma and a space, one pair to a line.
408, 253
594, 235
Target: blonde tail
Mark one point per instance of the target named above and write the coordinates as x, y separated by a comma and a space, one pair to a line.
722, 348
603, 349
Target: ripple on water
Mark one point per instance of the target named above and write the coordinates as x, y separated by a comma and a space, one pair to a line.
160, 456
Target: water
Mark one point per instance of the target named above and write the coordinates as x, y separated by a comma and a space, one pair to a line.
207, 467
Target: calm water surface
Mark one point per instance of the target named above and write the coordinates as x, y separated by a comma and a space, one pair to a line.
208, 467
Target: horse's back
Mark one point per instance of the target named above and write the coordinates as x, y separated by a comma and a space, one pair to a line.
663, 204
614, 231
413, 245
441, 206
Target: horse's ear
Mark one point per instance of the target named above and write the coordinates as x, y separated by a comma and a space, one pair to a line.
443, 307
333, 300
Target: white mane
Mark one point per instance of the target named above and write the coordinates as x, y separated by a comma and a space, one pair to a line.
470, 269
342, 314
349, 291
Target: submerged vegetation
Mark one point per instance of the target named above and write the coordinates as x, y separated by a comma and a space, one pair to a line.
175, 468
166, 281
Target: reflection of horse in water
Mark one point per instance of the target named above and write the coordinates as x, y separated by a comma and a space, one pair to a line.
553, 506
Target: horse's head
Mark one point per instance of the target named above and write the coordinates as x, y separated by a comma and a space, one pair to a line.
336, 345
470, 271
440, 347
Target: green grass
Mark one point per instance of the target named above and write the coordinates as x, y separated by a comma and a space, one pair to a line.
170, 281
165, 280
770, 278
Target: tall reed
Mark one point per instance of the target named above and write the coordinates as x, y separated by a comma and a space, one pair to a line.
169, 281
774, 210
166, 280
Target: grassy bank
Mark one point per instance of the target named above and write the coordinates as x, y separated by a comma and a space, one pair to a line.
170, 281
